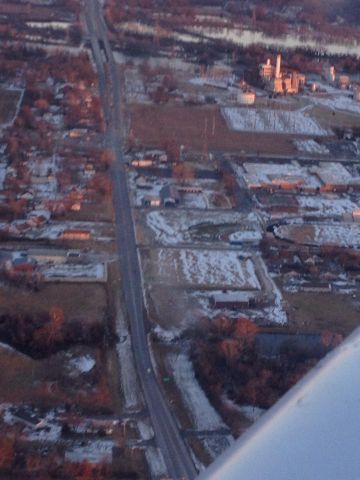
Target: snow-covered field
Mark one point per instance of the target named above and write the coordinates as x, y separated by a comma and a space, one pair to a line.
172, 227
272, 121
156, 462
129, 380
203, 414
201, 81
249, 411
93, 452
245, 236
347, 235
69, 272
326, 206
311, 146
205, 269
270, 173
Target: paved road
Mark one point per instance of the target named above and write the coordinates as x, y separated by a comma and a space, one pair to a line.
168, 438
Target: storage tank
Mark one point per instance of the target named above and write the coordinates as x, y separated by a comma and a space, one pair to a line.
247, 97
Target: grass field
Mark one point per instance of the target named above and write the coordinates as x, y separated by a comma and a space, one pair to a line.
156, 125
339, 119
322, 311
87, 302
36, 12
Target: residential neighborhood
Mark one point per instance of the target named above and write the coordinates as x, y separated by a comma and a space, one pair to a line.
179, 226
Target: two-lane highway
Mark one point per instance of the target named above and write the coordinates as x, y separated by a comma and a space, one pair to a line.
168, 438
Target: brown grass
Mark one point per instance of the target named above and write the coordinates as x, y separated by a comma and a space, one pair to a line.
155, 125
327, 119
37, 12
87, 302
322, 311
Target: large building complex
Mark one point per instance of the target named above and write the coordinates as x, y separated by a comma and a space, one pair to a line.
281, 82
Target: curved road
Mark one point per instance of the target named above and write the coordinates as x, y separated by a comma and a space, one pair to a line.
168, 438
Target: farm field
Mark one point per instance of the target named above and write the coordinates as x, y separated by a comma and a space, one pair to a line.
274, 121
87, 302
154, 126
317, 234
322, 311
36, 12
202, 269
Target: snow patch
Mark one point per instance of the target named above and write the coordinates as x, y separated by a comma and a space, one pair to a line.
275, 121
203, 414
83, 364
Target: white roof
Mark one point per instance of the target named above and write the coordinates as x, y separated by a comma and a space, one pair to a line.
312, 433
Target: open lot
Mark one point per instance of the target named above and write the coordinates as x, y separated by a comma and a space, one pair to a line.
87, 302
9, 100
329, 118
201, 268
53, 380
36, 12
188, 226
347, 235
157, 125
323, 311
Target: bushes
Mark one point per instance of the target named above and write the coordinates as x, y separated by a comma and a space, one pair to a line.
228, 363
44, 334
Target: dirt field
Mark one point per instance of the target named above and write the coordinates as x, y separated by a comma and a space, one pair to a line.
327, 118
48, 381
156, 125
87, 302
317, 312
36, 12
8, 103
94, 212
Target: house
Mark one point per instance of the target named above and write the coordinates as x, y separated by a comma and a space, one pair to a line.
233, 300
20, 264
169, 196
144, 162
75, 207
39, 217
27, 195
77, 132
89, 170
75, 234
